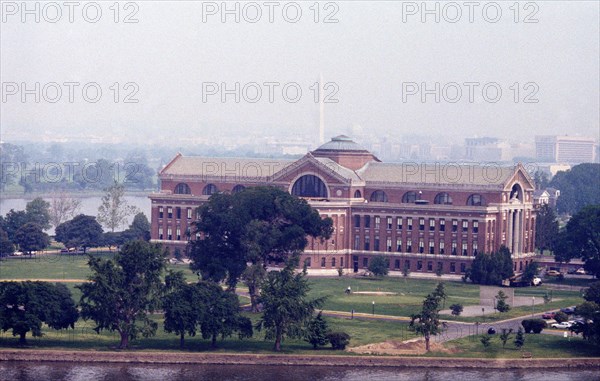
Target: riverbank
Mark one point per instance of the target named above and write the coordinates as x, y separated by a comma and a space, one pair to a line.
29, 355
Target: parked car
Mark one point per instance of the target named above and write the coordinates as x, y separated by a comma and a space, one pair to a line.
64, 251
580, 271
548, 315
552, 273
568, 310
563, 325
17, 253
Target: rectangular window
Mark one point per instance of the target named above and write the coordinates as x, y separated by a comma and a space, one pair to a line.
465, 226
475, 227
409, 223
397, 264
421, 246
376, 243
407, 264
421, 224
474, 248
307, 262
160, 212
357, 221
440, 266
178, 212
389, 223
429, 266
452, 267
454, 247
464, 248
388, 244
431, 247
169, 234
463, 267
442, 249
341, 261
367, 243
333, 262
367, 222
399, 223
431, 224
170, 212
323, 262
178, 232
160, 233
419, 265
409, 245
189, 213
377, 222
398, 244
442, 225
454, 226
365, 262
356, 242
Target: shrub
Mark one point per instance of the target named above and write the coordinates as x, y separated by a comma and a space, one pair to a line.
457, 309
519, 339
560, 317
533, 325
338, 340
485, 340
379, 265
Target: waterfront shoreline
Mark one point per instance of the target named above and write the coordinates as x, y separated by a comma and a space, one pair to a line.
145, 357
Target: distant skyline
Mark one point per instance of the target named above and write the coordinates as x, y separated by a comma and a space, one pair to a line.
374, 59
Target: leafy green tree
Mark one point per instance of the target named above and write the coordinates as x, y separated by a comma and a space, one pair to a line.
578, 187
338, 340
427, 322
519, 339
6, 246
379, 265
316, 331
505, 336
560, 317
485, 340
182, 305
286, 308
501, 304
82, 231
457, 309
546, 228
533, 325
581, 239
541, 179
253, 277
440, 293
122, 292
13, 222
25, 306
114, 209
38, 211
590, 326
30, 237
592, 293
530, 272
492, 268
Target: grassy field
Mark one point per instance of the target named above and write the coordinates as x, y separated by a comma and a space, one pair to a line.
538, 345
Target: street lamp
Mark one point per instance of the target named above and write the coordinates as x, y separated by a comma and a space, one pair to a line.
373, 307
532, 306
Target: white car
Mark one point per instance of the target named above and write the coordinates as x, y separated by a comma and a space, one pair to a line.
563, 325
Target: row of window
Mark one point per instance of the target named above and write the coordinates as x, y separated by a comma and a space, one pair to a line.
177, 210
412, 197
421, 249
396, 264
170, 235
209, 189
389, 223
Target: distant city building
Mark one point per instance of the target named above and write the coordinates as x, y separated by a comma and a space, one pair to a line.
565, 149
423, 217
541, 197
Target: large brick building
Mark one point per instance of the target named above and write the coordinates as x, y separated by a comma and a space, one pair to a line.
421, 216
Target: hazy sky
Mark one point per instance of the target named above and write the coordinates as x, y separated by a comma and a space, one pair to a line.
376, 54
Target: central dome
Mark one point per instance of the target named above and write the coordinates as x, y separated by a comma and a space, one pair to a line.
344, 151
341, 143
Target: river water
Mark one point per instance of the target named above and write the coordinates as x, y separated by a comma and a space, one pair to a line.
27, 371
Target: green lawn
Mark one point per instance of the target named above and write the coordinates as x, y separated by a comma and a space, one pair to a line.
538, 345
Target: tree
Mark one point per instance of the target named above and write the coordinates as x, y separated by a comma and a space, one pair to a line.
529, 272
485, 340
519, 339
139, 229
427, 322
316, 331
13, 222
560, 317
492, 268
338, 340
505, 336
541, 179
592, 293
182, 306
6, 246
62, 208
589, 327
82, 231
457, 309
30, 237
546, 228
38, 212
578, 187
379, 265
581, 239
501, 304
286, 308
440, 293
533, 325
253, 277
25, 306
114, 210
122, 292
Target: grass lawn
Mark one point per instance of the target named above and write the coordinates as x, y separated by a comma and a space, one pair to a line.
539, 345
83, 337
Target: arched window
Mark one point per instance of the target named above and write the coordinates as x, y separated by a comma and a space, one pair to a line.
516, 193
209, 189
442, 198
357, 194
409, 197
309, 186
379, 196
238, 188
475, 200
182, 188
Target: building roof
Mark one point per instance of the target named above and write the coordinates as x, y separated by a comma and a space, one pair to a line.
341, 143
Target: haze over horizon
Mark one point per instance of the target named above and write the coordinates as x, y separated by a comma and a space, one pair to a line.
371, 57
